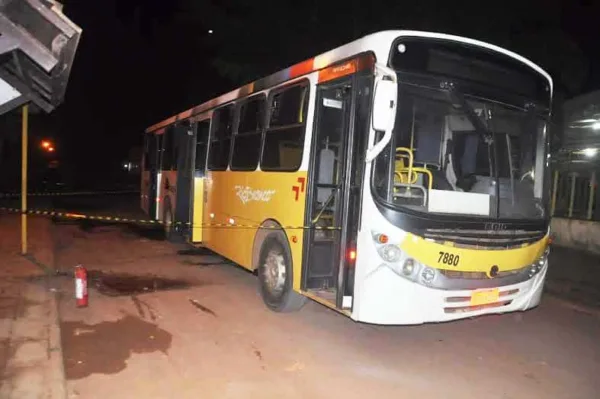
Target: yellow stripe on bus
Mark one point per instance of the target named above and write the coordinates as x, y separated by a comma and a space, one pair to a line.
444, 257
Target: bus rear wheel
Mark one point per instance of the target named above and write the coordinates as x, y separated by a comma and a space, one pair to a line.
275, 276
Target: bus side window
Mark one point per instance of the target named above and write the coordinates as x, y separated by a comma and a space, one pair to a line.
150, 152
145, 154
169, 158
284, 137
220, 138
247, 139
202, 132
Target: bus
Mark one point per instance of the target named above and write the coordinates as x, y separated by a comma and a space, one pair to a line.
401, 178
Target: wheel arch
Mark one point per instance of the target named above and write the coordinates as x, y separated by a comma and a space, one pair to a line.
267, 227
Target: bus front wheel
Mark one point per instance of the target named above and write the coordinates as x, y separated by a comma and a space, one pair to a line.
275, 275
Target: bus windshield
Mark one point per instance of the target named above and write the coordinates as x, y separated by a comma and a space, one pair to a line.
463, 155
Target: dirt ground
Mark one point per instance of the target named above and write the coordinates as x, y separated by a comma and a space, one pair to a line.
205, 333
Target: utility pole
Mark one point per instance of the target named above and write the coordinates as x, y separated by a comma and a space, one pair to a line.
24, 138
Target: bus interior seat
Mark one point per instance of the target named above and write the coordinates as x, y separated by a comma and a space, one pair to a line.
290, 154
427, 154
325, 199
428, 143
326, 174
440, 181
464, 169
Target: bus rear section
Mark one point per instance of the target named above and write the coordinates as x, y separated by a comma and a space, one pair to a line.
170, 178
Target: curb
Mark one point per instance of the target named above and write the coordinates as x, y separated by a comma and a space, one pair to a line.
57, 380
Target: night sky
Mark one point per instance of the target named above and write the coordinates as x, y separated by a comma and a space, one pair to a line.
140, 61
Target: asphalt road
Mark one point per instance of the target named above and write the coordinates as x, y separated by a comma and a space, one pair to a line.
204, 332
188, 326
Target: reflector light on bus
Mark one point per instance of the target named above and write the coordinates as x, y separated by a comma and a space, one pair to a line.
231, 221
352, 254
382, 238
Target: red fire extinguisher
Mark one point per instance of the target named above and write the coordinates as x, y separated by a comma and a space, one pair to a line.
81, 292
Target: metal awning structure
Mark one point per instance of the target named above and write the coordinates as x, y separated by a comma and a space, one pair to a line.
37, 47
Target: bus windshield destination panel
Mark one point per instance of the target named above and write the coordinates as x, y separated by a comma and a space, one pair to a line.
398, 179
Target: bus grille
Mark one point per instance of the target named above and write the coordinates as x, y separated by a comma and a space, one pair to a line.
466, 309
479, 239
460, 304
453, 274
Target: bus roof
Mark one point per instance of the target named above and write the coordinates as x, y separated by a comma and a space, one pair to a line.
377, 43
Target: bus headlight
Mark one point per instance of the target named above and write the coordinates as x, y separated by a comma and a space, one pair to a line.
390, 253
409, 267
538, 265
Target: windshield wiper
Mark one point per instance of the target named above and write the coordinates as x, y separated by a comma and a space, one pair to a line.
458, 98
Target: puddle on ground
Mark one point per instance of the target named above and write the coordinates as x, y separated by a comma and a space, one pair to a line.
126, 284
105, 347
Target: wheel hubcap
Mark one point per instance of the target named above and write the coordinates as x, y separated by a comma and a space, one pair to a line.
274, 271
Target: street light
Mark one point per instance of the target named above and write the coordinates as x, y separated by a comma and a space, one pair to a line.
590, 152
47, 145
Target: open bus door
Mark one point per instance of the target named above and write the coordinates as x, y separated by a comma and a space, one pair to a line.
184, 135
329, 193
202, 129
334, 190
187, 202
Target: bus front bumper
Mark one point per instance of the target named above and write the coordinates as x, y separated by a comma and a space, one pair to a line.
386, 298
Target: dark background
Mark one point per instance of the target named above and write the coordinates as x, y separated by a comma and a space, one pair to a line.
140, 61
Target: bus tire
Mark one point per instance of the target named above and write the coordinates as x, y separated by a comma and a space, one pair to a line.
275, 275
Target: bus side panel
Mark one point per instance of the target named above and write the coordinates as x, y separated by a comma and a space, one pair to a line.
222, 208
239, 202
198, 210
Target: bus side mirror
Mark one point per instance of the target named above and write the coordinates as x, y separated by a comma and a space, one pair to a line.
383, 116
384, 105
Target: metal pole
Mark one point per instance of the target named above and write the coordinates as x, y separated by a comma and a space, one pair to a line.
572, 194
591, 199
554, 193
24, 134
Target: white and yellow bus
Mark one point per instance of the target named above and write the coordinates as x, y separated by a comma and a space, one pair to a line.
399, 179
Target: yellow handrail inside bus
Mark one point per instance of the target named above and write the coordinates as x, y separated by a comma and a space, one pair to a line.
401, 170
410, 159
416, 170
